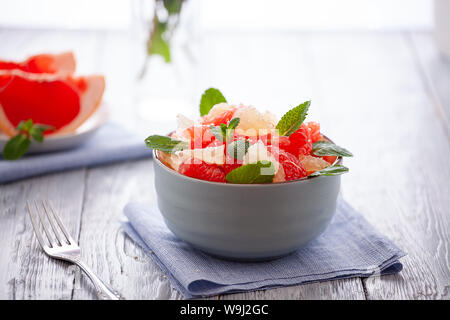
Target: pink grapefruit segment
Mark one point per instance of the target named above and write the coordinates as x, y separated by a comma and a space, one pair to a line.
61, 101
63, 63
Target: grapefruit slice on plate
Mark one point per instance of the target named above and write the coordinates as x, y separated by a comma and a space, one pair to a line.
63, 63
61, 101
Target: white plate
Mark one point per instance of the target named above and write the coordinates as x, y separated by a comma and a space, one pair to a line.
68, 140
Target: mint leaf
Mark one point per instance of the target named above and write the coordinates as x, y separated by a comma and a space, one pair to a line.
37, 134
293, 119
260, 172
223, 132
16, 147
210, 98
237, 149
231, 126
223, 128
165, 143
326, 148
25, 125
333, 170
234, 123
37, 131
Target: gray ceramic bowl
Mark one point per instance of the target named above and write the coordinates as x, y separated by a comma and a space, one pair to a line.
245, 221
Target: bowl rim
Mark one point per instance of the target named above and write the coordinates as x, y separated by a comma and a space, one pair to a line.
264, 185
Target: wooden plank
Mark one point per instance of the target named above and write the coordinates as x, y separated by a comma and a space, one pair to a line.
26, 272
375, 104
105, 247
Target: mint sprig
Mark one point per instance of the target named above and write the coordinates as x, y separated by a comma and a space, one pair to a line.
209, 99
333, 170
233, 123
326, 148
223, 132
18, 145
37, 132
293, 119
259, 172
165, 143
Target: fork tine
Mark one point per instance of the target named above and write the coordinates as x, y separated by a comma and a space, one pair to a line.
50, 219
61, 225
35, 226
43, 224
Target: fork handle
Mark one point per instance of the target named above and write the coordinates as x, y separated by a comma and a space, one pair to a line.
104, 291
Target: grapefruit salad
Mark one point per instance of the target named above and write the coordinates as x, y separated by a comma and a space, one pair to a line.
41, 96
240, 144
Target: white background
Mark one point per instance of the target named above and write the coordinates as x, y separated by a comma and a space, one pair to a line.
230, 14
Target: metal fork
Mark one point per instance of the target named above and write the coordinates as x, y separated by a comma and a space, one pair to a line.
62, 246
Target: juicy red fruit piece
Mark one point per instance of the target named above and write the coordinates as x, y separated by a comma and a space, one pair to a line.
202, 170
314, 133
223, 117
299, 142
329, 159
201, 137
293, 168
43, 63
283, 142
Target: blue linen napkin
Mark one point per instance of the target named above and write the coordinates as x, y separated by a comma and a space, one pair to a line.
350, 247
111, 143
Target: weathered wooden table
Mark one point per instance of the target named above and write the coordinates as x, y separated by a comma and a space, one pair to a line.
385, 96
